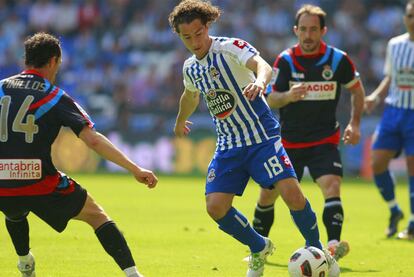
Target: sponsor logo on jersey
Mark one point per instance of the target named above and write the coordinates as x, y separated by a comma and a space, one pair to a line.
327, 72
211, 175
298, 75
221, 103
337, 164
317, 91
20, 169
286, 161
405, 79
214, 73
240, 43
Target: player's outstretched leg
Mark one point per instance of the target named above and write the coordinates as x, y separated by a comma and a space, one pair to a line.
109, 236
18, 228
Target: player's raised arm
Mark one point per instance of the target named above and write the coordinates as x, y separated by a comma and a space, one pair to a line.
188, 103
263, 75
101, 145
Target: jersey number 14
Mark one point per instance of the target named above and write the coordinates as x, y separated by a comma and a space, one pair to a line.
29, 128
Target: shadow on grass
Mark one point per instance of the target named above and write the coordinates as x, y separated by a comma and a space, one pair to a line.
349, 270
343, 269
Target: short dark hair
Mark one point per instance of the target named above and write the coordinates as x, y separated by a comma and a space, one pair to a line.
312, 10
40, 48
189, 10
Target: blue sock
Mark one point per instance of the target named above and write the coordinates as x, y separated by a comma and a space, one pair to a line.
236, 225
306, 221
386, 186
411, 185
411, 182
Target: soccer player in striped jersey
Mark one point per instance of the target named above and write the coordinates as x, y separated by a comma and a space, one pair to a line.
396, 129
230, 76
32, 111
306, 88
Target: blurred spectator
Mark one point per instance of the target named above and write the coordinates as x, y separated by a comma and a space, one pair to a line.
125, 64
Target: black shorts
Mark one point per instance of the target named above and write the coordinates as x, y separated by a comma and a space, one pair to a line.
321, 160
56, 208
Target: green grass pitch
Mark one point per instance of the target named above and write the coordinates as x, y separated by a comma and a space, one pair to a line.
170, 233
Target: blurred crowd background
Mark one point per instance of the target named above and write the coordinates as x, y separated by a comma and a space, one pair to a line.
123, 64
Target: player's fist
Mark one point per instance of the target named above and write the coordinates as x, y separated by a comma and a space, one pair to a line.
371, 101
182, 129
352, 134
297, 92
252, 90
147, 177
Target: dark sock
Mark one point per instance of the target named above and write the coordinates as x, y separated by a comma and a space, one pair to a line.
263, 219
333, 217
115, 244
19, 233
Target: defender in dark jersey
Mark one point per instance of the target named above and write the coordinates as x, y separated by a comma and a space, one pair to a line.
32, 111
306, 87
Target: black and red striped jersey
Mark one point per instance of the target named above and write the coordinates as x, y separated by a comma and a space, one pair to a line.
32, 111
312, 119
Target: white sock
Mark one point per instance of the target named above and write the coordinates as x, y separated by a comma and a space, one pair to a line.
392, 203
26, 258
131, 271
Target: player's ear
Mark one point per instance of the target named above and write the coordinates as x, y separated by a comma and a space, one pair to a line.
324, 30
295, 29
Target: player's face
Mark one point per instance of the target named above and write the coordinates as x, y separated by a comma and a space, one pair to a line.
409, 20
195, 37
309, 33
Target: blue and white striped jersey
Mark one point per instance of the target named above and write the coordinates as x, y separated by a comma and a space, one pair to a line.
399, 64
221, 77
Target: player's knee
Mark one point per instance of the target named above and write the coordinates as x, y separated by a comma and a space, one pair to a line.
332, 189
295, 201
267, 197
215, 210
16, 217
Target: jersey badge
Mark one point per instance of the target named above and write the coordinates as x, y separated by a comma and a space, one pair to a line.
211, 175
214, 73
221, 103
327, 72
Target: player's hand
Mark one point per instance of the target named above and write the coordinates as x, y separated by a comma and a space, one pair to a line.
182, 129
371, 101
352, 134
297, 92
147, 177
252, 90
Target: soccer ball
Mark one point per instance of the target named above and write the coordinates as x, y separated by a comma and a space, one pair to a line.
308, 261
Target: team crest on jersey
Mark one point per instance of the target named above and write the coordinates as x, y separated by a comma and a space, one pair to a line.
221, 103
327, 72
214, 73
211, 175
